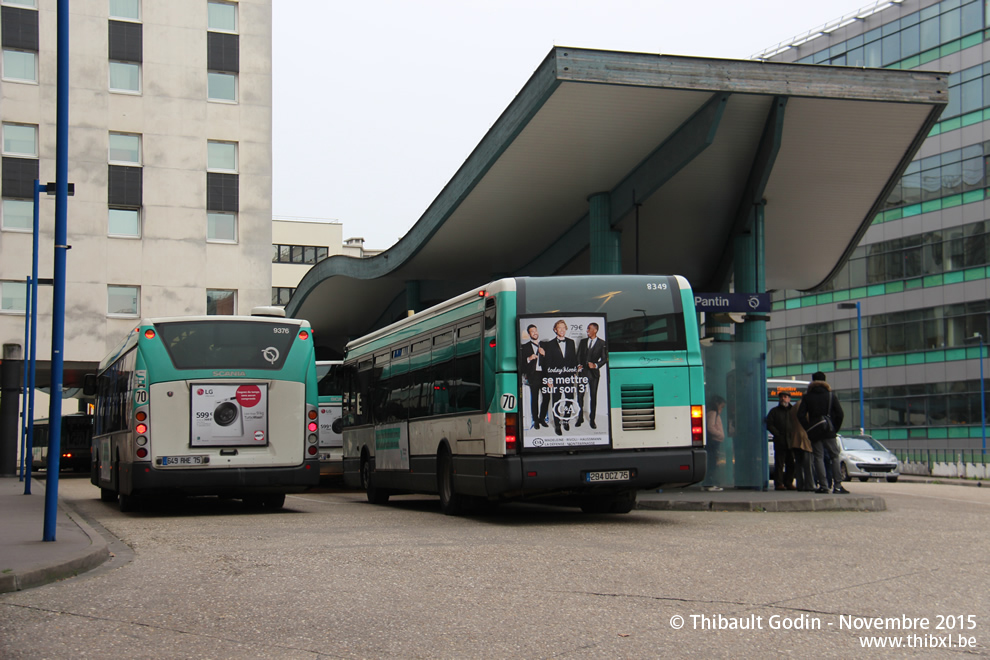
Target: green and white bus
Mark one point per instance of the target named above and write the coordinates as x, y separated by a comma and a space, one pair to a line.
589, 387
328, 385
207, 405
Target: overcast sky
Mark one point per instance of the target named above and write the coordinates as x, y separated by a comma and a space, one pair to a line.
378, 103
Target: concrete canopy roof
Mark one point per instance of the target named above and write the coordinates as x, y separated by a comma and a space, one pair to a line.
685, 146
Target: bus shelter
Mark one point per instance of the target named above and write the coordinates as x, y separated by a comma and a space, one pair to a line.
739, 175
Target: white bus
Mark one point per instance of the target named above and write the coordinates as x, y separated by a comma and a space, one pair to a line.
471, 399
207, 405
329, 389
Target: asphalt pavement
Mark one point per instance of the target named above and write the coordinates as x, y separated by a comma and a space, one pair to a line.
27, 561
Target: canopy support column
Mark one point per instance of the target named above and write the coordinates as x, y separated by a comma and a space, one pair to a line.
605, 243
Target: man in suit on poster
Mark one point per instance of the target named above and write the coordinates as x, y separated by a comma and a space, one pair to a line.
592, 356
561, 363
533, 357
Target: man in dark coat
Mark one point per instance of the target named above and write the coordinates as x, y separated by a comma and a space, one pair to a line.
532, 356
561, 364
818, 407
593, 355
779, 425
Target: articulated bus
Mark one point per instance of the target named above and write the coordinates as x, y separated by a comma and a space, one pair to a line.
328, 385
207, 405
588, 388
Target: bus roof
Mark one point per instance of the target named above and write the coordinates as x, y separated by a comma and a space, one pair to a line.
498, 286
131, 339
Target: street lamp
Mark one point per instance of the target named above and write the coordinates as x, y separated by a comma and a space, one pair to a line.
859, 351
978, 338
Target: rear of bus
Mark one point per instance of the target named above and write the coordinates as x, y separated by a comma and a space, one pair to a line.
330, 391
649, 429
213, 406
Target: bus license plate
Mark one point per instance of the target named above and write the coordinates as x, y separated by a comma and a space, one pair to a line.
182, 460
614, 475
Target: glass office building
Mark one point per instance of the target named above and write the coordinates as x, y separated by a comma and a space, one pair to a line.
922, 270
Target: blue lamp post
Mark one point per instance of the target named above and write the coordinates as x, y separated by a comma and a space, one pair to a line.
978, 338
859, 352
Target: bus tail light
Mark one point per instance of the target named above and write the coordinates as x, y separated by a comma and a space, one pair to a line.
511, 433
697, 426
312, 427
142, 433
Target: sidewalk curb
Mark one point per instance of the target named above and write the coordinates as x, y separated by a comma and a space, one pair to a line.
769, 506
41, 574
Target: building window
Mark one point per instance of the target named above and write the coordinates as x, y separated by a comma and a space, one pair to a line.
221, 227
32, 4
17, 215
124, 223
222, 17
221, 86
221, 157
123, 300
125, 77
298, 254
125, 149
20, 140
221, 302
20, 66
125, 10
281, 295
13, 296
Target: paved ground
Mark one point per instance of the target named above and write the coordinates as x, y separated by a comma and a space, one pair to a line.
26, 561
333, 576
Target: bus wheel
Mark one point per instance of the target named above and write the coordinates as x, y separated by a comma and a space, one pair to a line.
451, 502
107, 495
375, 495
127, 503
274, 500
621, 503
253, 502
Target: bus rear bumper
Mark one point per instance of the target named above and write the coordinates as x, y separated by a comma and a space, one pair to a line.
144, 479
535, 474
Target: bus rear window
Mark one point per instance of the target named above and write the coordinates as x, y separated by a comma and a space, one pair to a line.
643, 312
227, 344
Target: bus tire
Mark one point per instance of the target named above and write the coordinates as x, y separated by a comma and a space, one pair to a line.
253, 502
274, 500
620, 503
127, 503
375, 495
452, 503
623, 503
108, 495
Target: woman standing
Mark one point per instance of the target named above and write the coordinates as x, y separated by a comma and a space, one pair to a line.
715, 436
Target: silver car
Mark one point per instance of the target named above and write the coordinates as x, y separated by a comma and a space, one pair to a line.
864, 458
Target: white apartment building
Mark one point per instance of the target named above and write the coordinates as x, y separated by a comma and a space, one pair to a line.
170, 151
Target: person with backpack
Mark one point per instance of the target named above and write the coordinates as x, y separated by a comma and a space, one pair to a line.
821, 415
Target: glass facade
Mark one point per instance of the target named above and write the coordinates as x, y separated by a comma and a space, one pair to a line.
924, 281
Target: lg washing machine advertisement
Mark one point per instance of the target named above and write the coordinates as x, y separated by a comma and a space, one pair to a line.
224, 415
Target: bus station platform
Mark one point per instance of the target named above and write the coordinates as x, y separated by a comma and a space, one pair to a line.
730, 499
25, 559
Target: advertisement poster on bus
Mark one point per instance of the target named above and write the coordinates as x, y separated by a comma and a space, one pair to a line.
229, 415
563, 370
392, 447
331, 424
